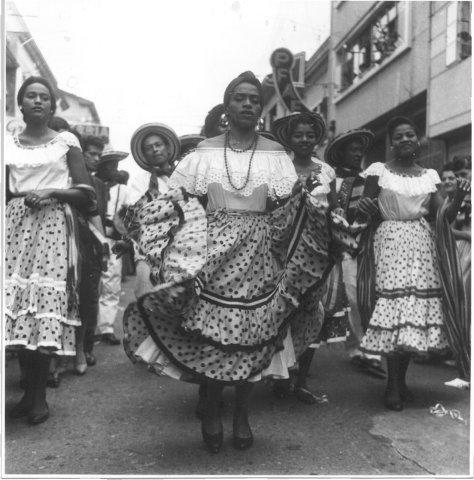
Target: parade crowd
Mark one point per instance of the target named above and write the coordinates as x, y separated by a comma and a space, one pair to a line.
249, 253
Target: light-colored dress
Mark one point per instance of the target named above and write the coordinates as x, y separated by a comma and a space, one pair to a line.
232, 276
40, 253
408, 314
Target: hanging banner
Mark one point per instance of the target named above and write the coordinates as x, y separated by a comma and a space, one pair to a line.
282, 62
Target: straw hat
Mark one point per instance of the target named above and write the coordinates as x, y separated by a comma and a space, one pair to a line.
108, 155
280, 127
159, 129
333, 150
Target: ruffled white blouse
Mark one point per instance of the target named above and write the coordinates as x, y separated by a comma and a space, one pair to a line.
39, 167
203, 172
403, 197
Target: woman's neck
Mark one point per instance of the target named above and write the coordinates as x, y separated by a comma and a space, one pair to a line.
36, 129
404, 162
302, 161
242, 136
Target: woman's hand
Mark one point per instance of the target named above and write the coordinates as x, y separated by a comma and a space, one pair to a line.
36, 198
463, 187
312, 181
297, 187
368, 206
121, 247
340, 212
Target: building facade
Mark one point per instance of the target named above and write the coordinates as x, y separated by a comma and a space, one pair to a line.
396, 58
24, 59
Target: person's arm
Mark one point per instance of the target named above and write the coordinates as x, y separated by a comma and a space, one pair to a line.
462, 189
81, 195
367, 206
8, 194
461, 234
332, 199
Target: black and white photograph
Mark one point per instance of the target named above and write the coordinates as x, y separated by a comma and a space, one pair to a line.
236, 238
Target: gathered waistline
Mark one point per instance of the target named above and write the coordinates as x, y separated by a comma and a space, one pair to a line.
236, 213
405, 221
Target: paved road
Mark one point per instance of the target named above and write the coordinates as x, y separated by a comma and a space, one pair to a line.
120, 419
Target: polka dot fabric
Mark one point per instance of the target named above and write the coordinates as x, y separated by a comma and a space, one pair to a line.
408, 313
38, 313
233, 283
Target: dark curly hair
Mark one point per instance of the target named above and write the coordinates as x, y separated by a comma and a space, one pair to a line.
395, 122
212, 121
29, 81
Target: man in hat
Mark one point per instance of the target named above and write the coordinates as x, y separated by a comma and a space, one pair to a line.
345, 154
111, 280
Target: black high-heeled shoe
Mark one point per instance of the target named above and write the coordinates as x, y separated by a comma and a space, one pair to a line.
241, 443
21, 409
213, 441
392, 402
37, 418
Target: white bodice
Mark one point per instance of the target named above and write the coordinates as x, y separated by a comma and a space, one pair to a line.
203, 167
39, 167
403, 197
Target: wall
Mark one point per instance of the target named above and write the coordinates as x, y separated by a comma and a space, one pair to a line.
398, 81
451, 111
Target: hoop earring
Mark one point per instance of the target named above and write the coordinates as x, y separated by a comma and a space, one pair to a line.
224, 121
260, 124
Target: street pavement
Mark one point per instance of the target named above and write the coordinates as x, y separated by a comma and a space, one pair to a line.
119, 419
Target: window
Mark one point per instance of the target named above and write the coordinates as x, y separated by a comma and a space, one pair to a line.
376, 42
458, 31
322, 108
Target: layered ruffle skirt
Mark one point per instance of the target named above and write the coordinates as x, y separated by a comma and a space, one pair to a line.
40, 301
408, 314
228, 288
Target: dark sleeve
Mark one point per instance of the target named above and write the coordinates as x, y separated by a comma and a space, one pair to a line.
371, 187
81, 180
8, 195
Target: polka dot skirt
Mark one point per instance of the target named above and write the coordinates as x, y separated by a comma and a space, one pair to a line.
408, 313
37, 311
233, 283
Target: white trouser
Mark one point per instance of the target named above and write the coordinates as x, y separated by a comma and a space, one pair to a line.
110, 290
349, 272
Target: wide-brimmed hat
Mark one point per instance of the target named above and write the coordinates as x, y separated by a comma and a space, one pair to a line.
332, 152
159, 129
108, 155
190, 141
268, 135
281, 126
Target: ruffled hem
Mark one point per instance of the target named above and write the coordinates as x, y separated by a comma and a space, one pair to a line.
39, 316
35, 279
405, 339
298, 241
50, 347
404, 185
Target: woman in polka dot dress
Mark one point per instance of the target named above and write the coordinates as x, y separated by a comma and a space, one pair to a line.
231, 276
408, 315
45, 175
300, 133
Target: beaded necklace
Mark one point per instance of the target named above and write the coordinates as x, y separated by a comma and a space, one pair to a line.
226, 144
239, 150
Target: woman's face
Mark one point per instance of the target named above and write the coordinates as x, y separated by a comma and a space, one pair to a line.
352, 154
449, 181
155, 150
244, 107
405, 141
36, 104
464, 173
303, 140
